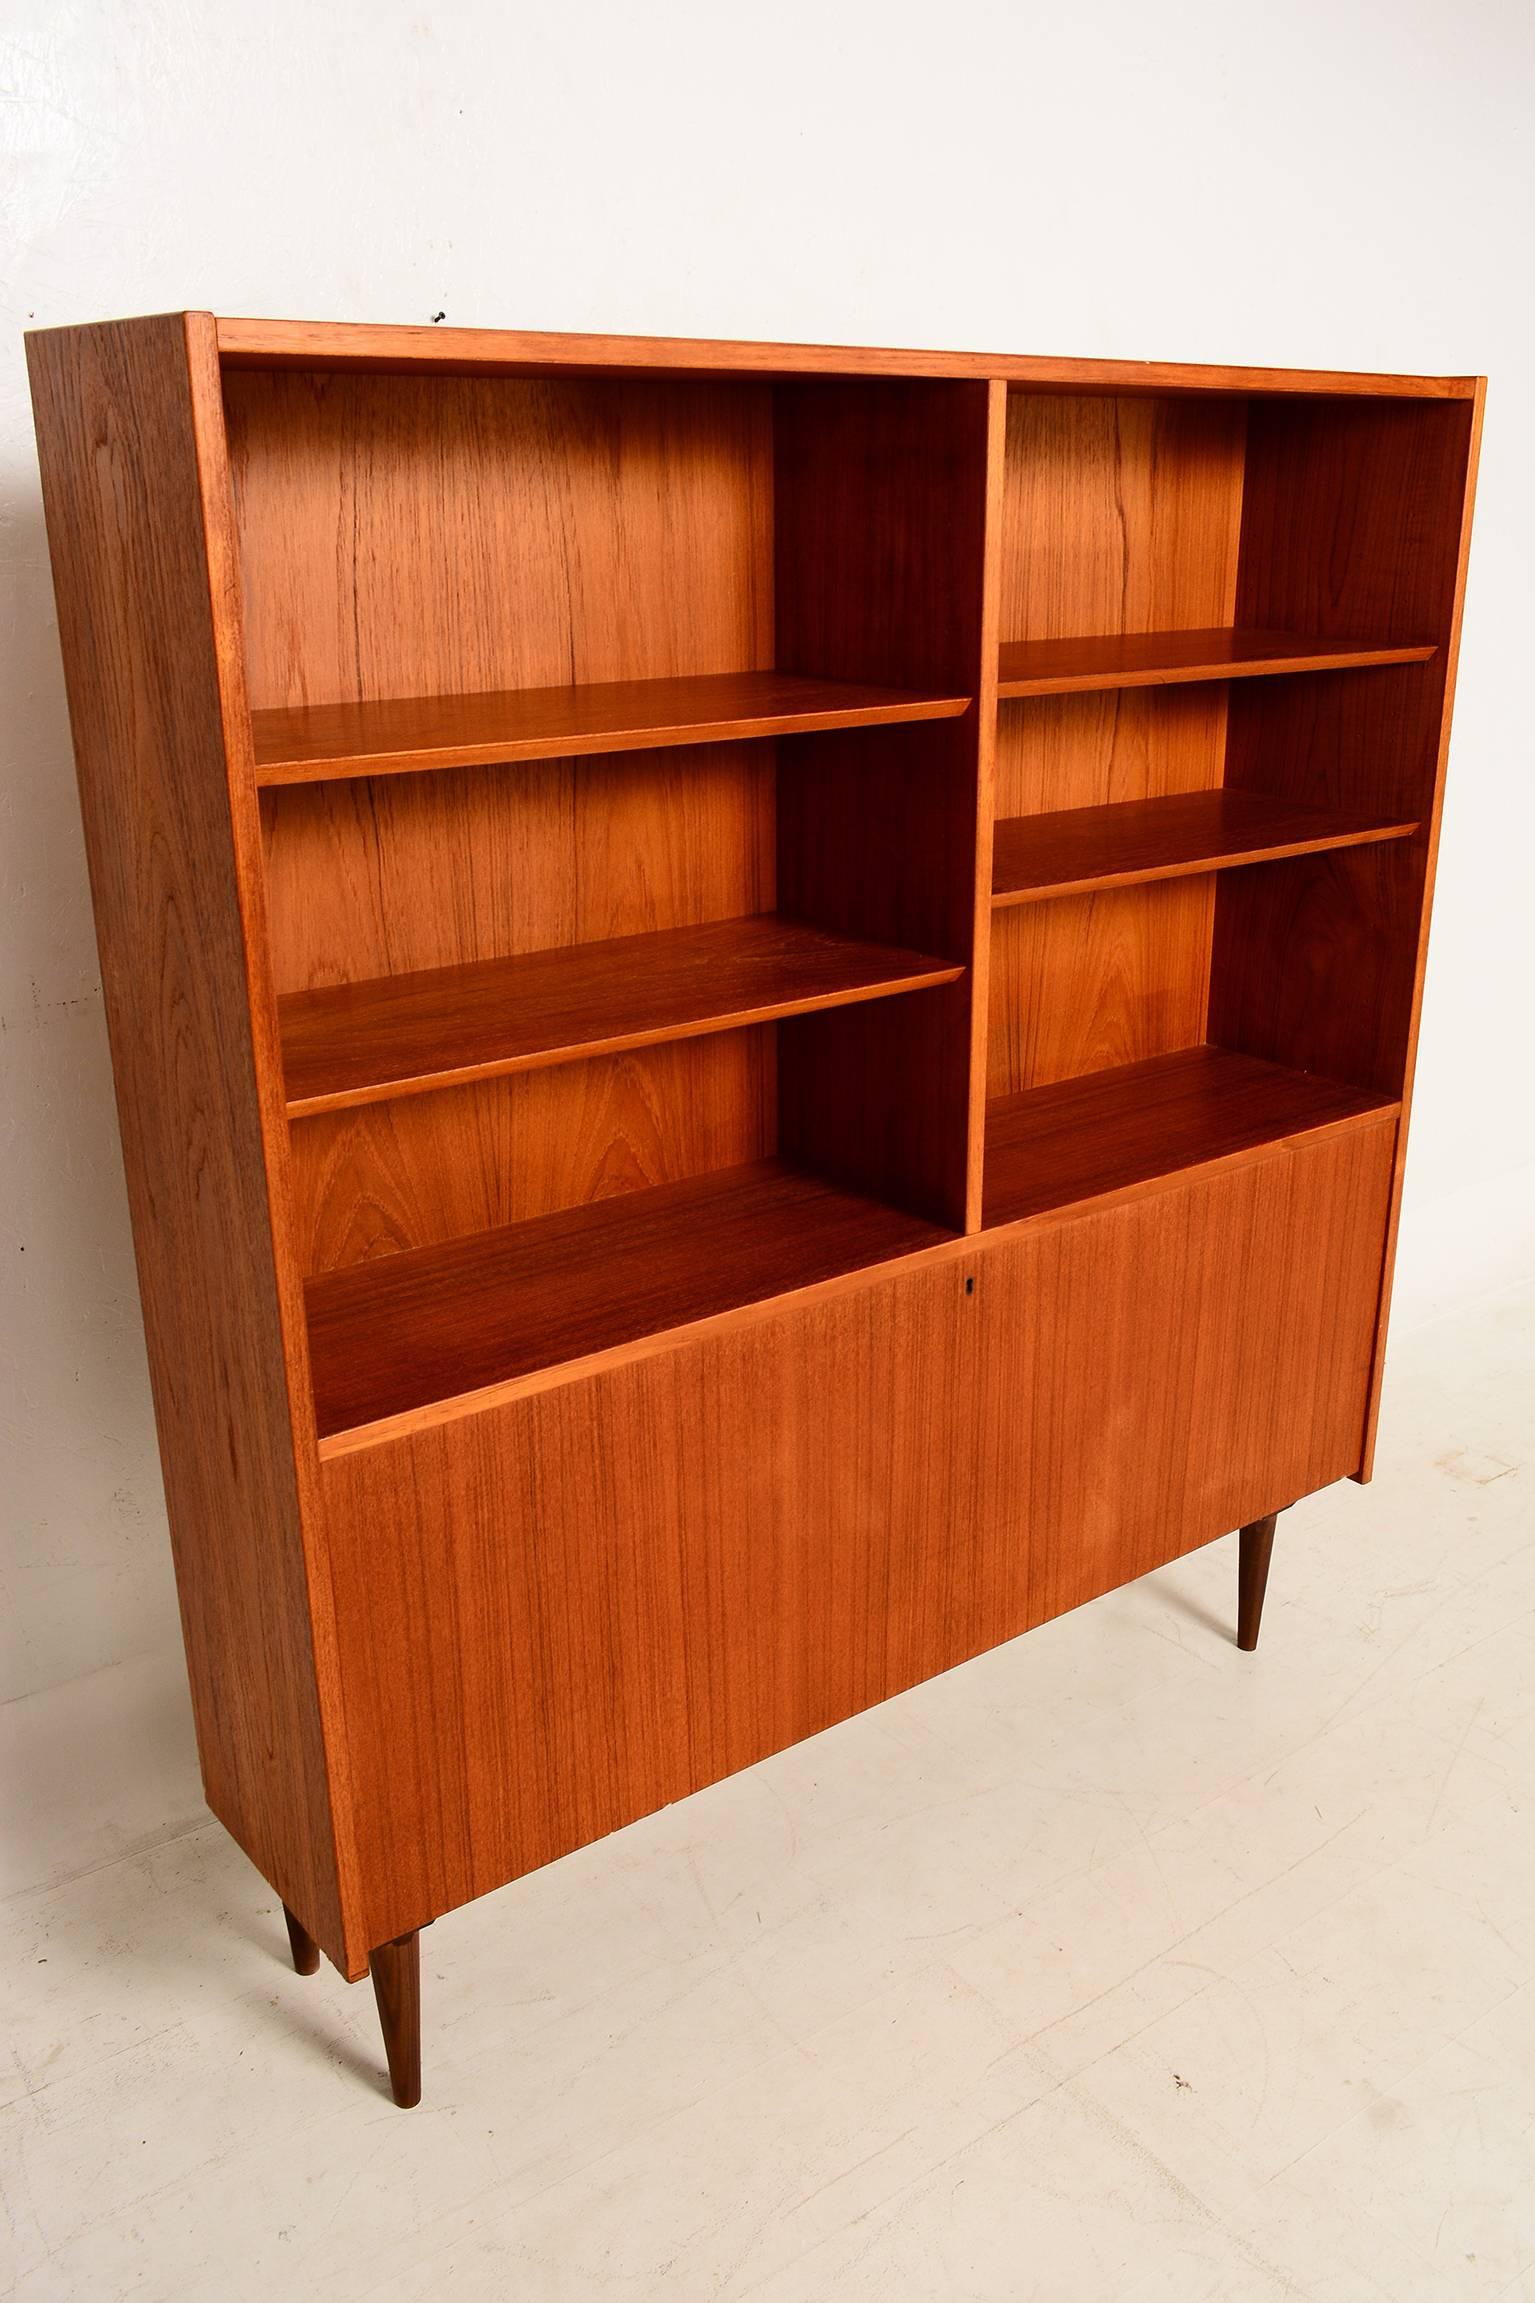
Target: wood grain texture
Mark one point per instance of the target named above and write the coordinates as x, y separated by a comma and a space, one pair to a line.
1097, 980
1451, 655
1098, 750
444, 1323
674, 1406
402, 1035
382, 877
497, 533
709, 1553
988, 778
1142, 840
318, 344
382, 1177
1082, 1138
880, 499
1352, 515
1360, 512
143, 575
319, 741
1163, 659
1120, 516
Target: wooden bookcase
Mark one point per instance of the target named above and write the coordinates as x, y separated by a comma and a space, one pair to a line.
763, 1002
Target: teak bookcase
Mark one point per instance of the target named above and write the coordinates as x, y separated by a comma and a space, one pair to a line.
763, 1002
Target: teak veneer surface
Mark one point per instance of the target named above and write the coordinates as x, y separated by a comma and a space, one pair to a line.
1075, 849
426, 536
697, 1557
321, 344
1356, 517
445, 1322
1163, 659
127, 420
543, 1447
1091, 981
881, 502
372, 1179
306, 743
1120, 516
1078, 1138
397, 1035
388, 875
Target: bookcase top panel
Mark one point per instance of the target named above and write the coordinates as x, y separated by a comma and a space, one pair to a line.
312, 344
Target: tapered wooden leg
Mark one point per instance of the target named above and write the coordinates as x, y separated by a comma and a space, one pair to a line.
306, 1952
1257, 1545
396, 1972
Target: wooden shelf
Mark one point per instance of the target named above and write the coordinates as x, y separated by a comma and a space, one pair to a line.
314, 742
1162, 659
1082, 1137
393, 1337
1076, 849
400, 1035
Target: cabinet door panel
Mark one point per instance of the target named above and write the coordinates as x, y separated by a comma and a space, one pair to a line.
560, 1614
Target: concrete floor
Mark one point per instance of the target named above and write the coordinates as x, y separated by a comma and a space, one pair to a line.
1115, 1965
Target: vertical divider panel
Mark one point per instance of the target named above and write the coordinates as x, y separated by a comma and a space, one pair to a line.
986, 790
880, 498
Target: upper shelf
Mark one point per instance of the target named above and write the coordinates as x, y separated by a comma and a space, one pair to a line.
439, 1027
313, 742
1163, 659
1072, 850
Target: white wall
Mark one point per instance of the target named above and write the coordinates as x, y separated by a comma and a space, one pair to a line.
1333, 183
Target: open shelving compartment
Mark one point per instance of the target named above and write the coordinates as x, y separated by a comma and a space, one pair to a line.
617, 750
651, 766
1221, 680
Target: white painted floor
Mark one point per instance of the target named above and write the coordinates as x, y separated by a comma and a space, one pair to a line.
1116, 1965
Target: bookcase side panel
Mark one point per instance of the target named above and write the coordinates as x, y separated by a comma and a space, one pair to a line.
562, 1614
142, 644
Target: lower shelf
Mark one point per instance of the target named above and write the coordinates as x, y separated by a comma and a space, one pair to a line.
1080, 1137
410, 1331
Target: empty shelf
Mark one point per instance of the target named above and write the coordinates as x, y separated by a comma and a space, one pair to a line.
397, 1035
311, 742
1113, 847
1082, 1137
1157, 659
437, 1324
